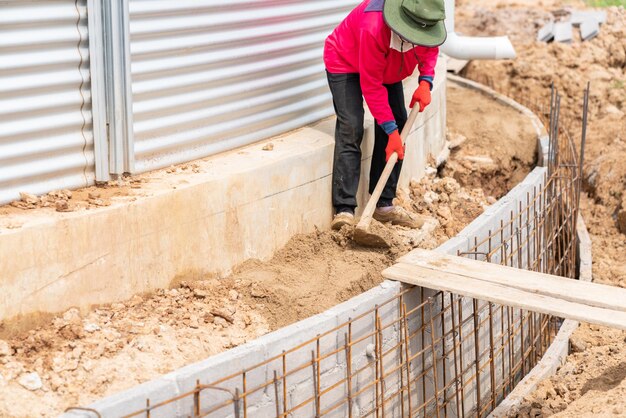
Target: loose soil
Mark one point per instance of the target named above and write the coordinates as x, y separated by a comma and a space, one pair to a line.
592, 382
485, 164
82, 358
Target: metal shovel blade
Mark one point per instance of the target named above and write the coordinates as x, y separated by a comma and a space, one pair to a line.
376, 236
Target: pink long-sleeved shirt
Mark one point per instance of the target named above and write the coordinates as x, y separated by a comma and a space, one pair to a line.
364, 44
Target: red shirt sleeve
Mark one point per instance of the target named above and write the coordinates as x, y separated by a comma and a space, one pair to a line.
427, 60
372, 63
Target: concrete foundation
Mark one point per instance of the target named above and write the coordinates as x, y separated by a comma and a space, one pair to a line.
261, 357
239, 205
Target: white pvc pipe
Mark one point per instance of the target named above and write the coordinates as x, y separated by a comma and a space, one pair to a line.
468, 47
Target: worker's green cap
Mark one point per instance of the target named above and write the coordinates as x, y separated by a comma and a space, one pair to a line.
420, 22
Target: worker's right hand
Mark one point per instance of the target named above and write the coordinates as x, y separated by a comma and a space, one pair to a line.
394, 144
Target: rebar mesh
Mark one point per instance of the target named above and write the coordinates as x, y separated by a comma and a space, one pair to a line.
422, 353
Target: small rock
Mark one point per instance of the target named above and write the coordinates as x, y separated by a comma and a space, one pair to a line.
29, 199
199, 293
577, 345
55, 382
62, 206
268, 147
223, 313
100, 202
444, 212
430, 197
257, 292
456, 140
612, 110
233, 295
220, 321
30, 381
491, 200
5, 349
193, 322
58, 364
91, 327
430, 171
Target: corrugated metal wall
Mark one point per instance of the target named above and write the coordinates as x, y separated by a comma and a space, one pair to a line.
46, 141
211, 75
206, 76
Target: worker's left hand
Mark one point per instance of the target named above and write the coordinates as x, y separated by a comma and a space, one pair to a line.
421, 95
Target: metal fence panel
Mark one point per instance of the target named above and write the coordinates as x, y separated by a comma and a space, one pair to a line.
46, 140
212, 75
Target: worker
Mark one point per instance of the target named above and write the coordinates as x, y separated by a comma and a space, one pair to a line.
379, 44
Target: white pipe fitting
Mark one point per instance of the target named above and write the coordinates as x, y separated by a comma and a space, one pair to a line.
468, 47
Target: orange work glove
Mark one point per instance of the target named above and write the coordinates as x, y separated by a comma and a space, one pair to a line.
421, 95
394, 144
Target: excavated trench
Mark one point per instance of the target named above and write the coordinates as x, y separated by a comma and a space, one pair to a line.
82, 358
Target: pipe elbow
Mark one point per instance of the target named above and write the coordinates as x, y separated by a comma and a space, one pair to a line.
468, 48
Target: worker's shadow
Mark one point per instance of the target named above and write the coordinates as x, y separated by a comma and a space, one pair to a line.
611, 378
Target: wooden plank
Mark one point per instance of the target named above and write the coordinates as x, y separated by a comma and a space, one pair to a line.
502, 294
588, 293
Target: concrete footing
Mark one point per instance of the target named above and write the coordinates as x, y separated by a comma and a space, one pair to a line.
235, 206
260, 357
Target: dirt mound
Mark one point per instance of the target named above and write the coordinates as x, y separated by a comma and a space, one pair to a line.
312, 273
503, 150
76, 359
592, 380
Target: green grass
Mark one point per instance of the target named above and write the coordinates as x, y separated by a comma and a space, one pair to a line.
605, 3
618, 84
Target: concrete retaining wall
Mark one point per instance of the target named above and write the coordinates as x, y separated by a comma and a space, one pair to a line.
267, 348
239, 205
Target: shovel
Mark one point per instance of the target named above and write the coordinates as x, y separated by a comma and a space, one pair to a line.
364, 233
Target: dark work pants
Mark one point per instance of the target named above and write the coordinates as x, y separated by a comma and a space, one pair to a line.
348, 102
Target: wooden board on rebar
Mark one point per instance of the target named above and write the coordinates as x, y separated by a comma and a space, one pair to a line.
533, 291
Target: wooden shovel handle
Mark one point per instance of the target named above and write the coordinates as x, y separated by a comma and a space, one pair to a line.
366, 218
